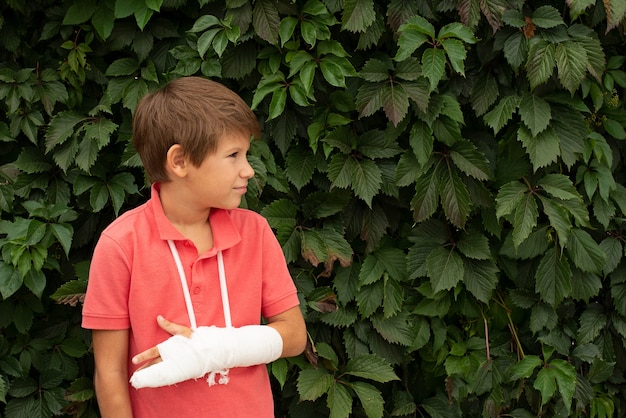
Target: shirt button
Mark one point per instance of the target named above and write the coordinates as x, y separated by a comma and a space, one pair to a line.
196, 290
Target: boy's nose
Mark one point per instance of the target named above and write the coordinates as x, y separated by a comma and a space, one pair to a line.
247, 171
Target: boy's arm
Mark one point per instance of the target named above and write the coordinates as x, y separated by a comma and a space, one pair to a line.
291, 327
110, 349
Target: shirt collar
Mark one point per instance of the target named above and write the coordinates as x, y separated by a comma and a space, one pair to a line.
225, 232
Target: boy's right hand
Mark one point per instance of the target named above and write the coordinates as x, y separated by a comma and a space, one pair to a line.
152, 355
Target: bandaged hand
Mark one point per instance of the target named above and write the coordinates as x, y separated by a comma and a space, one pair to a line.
210, 350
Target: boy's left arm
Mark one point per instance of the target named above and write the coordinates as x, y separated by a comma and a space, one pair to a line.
291, 327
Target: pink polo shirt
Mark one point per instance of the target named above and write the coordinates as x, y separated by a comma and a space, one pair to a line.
133, 278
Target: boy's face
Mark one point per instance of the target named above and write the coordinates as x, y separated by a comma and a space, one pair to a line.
221, 180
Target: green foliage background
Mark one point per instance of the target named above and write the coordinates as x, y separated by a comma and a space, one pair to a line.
446, 179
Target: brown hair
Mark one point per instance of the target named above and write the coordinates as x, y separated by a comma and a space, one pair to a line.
193, 112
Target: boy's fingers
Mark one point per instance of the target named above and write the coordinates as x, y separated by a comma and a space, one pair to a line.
172, 328
149, 354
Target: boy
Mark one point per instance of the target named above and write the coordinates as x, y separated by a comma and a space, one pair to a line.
177, 286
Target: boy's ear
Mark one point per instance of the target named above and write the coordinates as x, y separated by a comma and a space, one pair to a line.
175, 162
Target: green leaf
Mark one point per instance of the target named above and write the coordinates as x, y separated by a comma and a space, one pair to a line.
559, 186
516, 49
395, 102
566, 378
79, 12
469, 160
455, 50
535, 112
63, 234
525, 367
266, 20
509, 198
426, 198
61, 127
103, 20
357, 15
592, 321
480, 278
372, 367
339, 401
413, 34
571, 61
445, 268
475, 245
553, 277
498, 117
524, 220
455, 198
366, 179
547, 17
371, 399
559, 219
585, 252
433, 66
313, 383
10, 280
542, 149
421, 140
484, 93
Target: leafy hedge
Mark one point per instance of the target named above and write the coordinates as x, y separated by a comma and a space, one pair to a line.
446, 178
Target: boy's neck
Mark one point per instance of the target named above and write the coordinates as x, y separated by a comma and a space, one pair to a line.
191, 223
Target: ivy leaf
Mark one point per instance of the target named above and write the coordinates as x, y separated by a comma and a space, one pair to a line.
366, 179
542, 149
426, 198
313, 383
421, 140
524, 220
372, 367
547, 17
370, 398
474, 245
280, 214
535, 112
61, 127
300, 166
266, 20
524, 368
553, 277
510, 196
79, 12
455, 50
413, 34
559, 219
433, 66
326, 246
357, 15
541, 62
445, 269
585, 252
592, 321
375, 70
498, 117
571, 61
369, 99
469, 160
395, 102
484, 93
455, 198
559, 186
10, 280
480, 278
516, 49
339, 401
